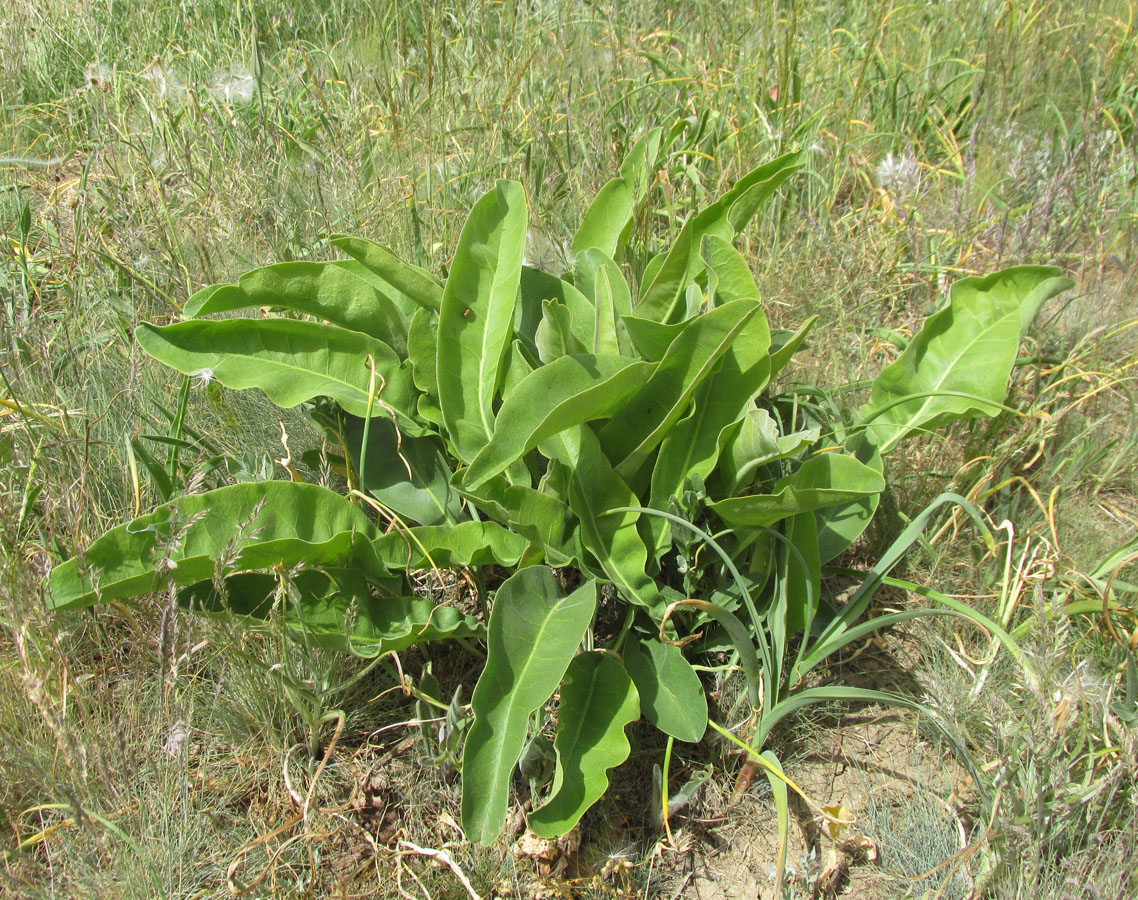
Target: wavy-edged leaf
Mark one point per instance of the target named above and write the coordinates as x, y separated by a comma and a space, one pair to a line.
608, 220
829, 479
671, 695
598, 700
555, 337
290, 361
401, 279
753, 442
477, 315
256, 525
613, 538
569, 391
322, 289
728, 276
538, 516
449, 546
632, 436
691, 447
533, 634
661, 298
959, 363
335, 609
424, 496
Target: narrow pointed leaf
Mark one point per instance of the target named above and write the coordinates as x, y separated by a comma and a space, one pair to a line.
533, 634
598, 700
604, 283
477, 315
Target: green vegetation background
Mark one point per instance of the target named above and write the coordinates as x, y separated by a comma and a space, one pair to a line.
146, 151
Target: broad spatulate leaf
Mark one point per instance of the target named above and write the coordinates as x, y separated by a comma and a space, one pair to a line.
598, 700
258, 525
533, 634
290, 361
958, 364
322, 289
477, 315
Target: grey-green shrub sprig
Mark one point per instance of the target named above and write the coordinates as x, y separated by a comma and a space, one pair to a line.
514, 418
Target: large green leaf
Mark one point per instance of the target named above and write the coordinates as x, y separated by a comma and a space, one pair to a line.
423, 495
536, 515
566, 392
477, 315
691, 447
959, 363
336, 609
257, 525
671, 695
448, 546
536, 288
322, 289
598, 700
613, 538
290, 361
651, 339
555, 336
401, 280
728, 276
632, 436
604, 283
828, 479
608, 220
422, 349
661, 298
840, 526
752, 443
533, 634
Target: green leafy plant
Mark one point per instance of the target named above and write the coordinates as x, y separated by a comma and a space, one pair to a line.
582, 432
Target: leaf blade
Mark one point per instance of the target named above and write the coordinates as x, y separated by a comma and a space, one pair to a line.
533, 634
598, 700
